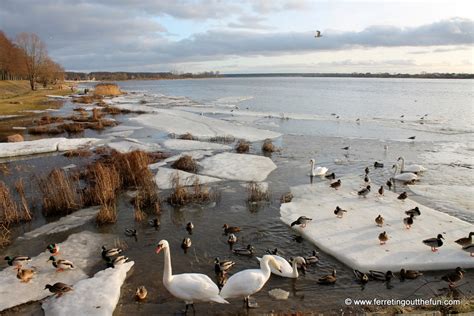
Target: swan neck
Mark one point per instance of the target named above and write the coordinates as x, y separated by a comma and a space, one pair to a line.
395, 171
403, 163
167, 271
265, 267
295, 268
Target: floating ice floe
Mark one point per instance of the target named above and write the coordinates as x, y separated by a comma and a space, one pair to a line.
93, 297
450, 154
164, 178
44, 146
67, 222
182, 122
353, 239
237, 167
83, 249
195, 154
52, 96
180, 144
459, 197
130, 144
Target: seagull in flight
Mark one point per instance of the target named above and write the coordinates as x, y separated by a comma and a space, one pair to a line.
318, 34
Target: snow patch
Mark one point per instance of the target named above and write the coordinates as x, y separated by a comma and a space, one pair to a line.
180, 144
164, 177
130, 144
43, 146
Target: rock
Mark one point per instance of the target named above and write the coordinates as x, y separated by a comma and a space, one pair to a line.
15, 138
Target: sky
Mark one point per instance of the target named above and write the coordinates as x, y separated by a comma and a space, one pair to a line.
250, 36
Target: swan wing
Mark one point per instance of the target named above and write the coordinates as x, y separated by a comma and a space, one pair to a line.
194, 287
286, 268
414, 168
320, 170
244, 283
406, 177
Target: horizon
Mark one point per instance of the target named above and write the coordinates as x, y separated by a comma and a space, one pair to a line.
250, 36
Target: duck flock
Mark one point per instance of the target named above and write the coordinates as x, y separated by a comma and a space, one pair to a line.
196, 287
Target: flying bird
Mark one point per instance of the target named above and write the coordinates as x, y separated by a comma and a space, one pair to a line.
318, 34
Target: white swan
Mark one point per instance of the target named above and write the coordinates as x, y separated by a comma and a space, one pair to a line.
250, 281
410, 168
189, 287
287, 270
316, 170
406, 177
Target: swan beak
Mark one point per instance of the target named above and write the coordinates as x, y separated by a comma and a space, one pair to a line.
158, 249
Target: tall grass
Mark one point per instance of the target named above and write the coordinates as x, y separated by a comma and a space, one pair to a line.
25, 209
8, 206
60, 193
257, 192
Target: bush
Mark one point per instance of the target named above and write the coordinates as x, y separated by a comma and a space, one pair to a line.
185, 163
242, 147
107, 89
268, 146
257, 192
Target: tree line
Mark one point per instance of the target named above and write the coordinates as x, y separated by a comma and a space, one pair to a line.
26, 58
113, 76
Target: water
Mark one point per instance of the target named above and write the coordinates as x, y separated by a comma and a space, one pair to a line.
443, 144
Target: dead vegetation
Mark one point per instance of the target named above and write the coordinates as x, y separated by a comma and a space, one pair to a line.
8, 206
43, 129
60, 193
242, 147
71, 128
187, 136
24, 209
47, 119
222, 139
107, 214
181, 195
103, 184
4, 170
107, 89
268, 146
115, 111
77, 153
5, 236
185, 163
286, 198
257, 192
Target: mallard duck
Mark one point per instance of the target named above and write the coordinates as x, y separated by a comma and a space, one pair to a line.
381, 190
53, 249
25, 275
154, 223
336, 185
364, 191
465, 241
434, 243
409, 274
131, 232
383, 237
339, 212
330, 176
415, 211
301, 221
328, 279
112, 263
378, 165
408, 221
17, 260
389, 184
58, 288
222, 266
190, 227
272, 252
454, 277
231, 240
230, 229
367, 170
381, 276
312, 259
366, 179
470, 249
247, 251
221, 279
61, 264
379, 220
362, 278
112, 252
186, 244
141, 293
402, 196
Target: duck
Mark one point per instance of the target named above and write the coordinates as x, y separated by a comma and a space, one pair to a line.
361, 277
389, 184
336, 185
381, 190
231, 240
402, 196
286, 270
221, 278
339, 212
381, 276
272, 252
58, 288
364, 191
17, 260
230, 229
330, 176
414, 211
367, 170
186, 244
154, 223
131, 232
247, 251
53, 249
61, 264
383, 237
223, 266
434, 243
316, 170
328, 279
189, 287
470, 249
112, 252
312, 259
379, 220
112, 263
465, 241
141, 293
190, 227
346, 148
25, 275
409, 274
412, 137
454, 277
408, 221
248, 282
301, 221
366, 179
410, 168
404, 177
378, 164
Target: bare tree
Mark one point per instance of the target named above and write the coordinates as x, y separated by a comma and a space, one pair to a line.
35, 55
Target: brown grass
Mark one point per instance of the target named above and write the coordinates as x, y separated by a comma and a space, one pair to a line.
182, 195
268, 146
47, 119
43, 129
4, 169
201, 193
242, 147
5, 236
72, 128
222, 139
60, 193
86, 99
256, 192
107, 89
8, 206
77, 153
103, 184
115, 111
187, 136
286, 198
185, 163
25, 209
96, 115
131, 166
107, 214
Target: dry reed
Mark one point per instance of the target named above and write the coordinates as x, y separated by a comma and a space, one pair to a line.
103, 183
77, 153
107, 214
72, 128
60, 193
185, 163
268, 146
242, 147
180, 195
4, 169
286, 198
25, 209
187, 136
43, 129
8, 206
257, 192
5, 236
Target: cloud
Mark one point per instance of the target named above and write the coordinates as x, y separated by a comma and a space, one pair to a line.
252, 22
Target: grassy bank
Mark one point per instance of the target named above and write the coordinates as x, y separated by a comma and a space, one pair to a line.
16, 96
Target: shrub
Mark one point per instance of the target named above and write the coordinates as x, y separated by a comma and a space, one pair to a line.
187, 136
257, 192
268, 146
107, 89
242, 147
72, 128
286, 198
185, 163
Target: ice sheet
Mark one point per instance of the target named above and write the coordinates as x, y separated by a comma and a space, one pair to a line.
354, 238
43, 146
129, 144
164, 176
